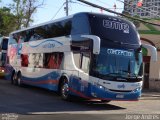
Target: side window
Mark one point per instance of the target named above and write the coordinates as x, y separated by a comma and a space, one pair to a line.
35, 60
28, 35
3, 59
40, 33
58, 29
24, 61
51, 30
77, 59
53, 60
13, 39
4, 44
67, 27
39, 60
82, 61
85, 64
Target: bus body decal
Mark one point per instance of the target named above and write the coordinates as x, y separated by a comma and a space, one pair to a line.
44, 46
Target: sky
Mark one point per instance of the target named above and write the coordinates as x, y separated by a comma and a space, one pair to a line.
51, 7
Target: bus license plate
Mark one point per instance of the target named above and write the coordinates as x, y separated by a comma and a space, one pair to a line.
119, 96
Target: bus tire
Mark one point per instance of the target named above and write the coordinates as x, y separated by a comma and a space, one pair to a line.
13, 78
19, 82
64, 90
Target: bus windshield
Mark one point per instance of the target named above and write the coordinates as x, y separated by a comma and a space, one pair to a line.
118, 63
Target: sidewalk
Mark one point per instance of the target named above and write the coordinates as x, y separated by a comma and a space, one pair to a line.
149, 93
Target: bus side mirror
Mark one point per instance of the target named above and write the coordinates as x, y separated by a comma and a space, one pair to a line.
96, 42
153, 51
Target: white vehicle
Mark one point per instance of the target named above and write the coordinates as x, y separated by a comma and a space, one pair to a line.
90, 55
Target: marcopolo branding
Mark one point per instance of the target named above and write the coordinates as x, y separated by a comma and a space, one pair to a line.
119, 52
49, 45
116, 25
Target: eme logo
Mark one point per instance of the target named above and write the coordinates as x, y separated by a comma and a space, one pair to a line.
121, 86
116, 25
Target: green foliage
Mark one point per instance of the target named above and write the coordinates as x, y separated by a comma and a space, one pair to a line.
144, 51
17, 15
24, 10
149, 32
7, 21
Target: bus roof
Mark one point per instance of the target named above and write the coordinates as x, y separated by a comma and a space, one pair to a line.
41, 24
68, 17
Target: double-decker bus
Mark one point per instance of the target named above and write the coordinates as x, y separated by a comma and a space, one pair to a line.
90, 55
3, 54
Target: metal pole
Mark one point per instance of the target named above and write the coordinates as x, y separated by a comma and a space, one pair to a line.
66, 7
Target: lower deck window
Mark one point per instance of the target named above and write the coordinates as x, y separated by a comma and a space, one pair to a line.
42, 60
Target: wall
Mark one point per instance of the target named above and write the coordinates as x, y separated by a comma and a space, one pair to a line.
154, 75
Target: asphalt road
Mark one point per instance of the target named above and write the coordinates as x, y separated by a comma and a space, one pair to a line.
31, 103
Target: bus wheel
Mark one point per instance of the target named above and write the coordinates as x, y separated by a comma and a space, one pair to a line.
19, 82
64, 90
13, 79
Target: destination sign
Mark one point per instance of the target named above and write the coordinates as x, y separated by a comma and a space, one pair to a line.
119, 52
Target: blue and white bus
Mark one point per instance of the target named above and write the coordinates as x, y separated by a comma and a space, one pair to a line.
90, 55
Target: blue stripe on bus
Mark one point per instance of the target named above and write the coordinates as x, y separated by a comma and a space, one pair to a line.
49, 76
48, 81
45, 42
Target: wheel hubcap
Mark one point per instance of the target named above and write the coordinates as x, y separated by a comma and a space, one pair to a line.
65, 90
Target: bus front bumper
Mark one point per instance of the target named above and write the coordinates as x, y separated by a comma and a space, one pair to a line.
104, 94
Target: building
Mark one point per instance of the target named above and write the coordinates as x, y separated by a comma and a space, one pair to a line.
149, 8
151, 35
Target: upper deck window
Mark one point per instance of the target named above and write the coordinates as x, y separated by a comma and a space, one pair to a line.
57, 29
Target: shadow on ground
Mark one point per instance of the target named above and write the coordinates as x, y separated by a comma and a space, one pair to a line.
28, 100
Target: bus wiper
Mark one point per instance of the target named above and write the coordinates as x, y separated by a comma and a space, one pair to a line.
130, 74
111, 74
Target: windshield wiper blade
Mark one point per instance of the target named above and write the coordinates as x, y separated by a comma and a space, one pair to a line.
130, 74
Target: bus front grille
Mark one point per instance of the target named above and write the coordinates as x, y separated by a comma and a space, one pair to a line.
120, 90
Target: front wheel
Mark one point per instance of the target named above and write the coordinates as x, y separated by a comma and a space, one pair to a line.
64, 90
19, 82
14, 79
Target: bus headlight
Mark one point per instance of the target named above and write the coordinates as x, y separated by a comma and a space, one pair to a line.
101, 87
137, 89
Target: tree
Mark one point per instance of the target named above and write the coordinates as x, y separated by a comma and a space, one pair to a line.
7, 21
24, 10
